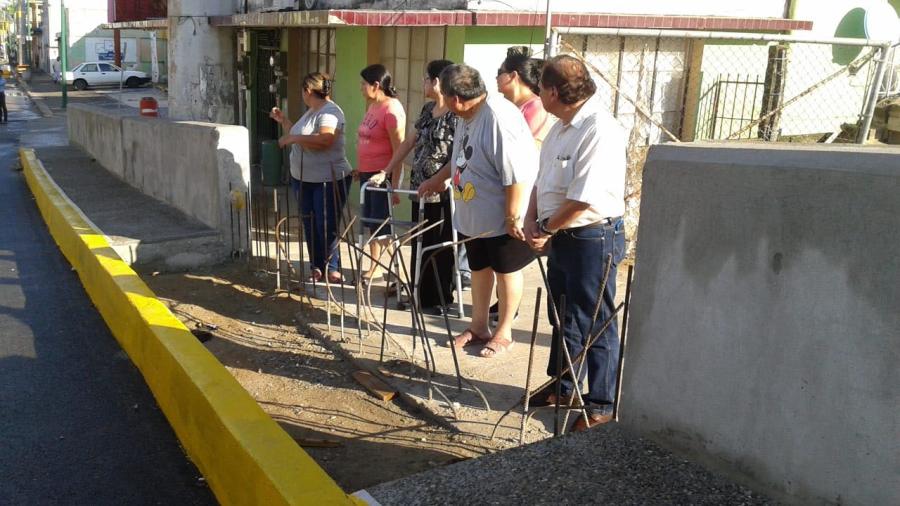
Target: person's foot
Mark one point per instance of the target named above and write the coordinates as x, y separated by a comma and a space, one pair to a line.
372, 275
315, 276
593, 420
468, 338
496, 346
547, 397
494, 313
335, 278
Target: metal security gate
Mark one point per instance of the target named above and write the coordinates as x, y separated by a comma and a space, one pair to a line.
730, 104
264, 91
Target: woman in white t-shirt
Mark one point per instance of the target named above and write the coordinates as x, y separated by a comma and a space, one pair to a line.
320, 172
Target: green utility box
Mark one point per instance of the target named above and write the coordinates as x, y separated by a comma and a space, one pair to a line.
273, 170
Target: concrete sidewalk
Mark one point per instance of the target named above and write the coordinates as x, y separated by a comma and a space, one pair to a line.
145, 232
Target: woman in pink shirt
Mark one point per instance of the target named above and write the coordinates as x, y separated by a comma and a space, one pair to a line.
380, 134
517, 80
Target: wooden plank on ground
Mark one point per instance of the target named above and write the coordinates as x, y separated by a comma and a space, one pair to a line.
375, 385
317, 443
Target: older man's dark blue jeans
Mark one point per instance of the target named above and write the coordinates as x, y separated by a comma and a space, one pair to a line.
576, 264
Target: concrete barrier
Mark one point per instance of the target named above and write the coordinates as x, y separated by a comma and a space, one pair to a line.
186, 164
765, 324
99, 133
244, 455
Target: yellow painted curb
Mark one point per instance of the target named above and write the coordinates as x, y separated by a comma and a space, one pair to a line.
244, 455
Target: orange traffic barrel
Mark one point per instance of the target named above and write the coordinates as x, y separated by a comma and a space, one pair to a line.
149, 107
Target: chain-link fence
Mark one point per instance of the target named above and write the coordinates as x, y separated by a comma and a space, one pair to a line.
672, 89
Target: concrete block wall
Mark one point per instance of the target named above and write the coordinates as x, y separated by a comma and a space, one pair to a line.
98, 132
186, 164
765, 324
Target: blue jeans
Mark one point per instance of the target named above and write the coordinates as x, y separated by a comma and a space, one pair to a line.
321, 205
575, 267
376, 206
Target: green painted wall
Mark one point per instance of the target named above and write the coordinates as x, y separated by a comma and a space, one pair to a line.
352, 49
504, 35
455, 46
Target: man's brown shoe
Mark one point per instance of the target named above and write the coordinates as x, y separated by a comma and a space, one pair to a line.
593, 421
549, 399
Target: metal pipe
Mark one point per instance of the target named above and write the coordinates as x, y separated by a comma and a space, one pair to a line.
709, 35
548, 32
417, 274
457, 275
863, 133
64, 57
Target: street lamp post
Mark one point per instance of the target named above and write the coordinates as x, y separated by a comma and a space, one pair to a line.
64, 53
20, 32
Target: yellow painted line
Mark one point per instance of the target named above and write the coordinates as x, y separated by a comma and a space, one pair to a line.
244, 455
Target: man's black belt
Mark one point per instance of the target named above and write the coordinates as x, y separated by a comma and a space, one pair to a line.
597, 224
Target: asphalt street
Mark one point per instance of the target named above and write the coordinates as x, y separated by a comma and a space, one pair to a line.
78, 425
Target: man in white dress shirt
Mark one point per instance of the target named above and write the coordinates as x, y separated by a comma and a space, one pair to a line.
575, 214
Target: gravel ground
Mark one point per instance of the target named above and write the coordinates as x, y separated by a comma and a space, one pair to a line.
606, 465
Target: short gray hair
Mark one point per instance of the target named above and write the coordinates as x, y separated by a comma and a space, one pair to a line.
462, 81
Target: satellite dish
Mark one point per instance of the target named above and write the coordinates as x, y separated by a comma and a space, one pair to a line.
881, 23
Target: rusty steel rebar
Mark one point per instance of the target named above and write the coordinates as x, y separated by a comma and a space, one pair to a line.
534, 327
622, 341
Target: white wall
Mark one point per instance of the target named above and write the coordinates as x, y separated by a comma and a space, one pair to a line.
732, 8
84, 17
486, 58
827, 15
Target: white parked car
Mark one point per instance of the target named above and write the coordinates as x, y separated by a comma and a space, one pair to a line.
104, 74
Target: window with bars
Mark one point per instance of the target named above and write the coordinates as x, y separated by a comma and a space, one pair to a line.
311, 50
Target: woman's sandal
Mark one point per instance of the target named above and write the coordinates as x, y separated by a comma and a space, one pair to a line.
466, 338
496, 346
315, 276
335, 278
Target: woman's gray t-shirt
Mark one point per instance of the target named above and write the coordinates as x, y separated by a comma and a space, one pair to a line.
325, 165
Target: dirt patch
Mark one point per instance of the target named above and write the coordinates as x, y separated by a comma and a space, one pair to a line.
303, 385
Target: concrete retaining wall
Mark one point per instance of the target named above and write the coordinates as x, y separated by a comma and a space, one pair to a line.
188, 165
98, 132
765, 324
